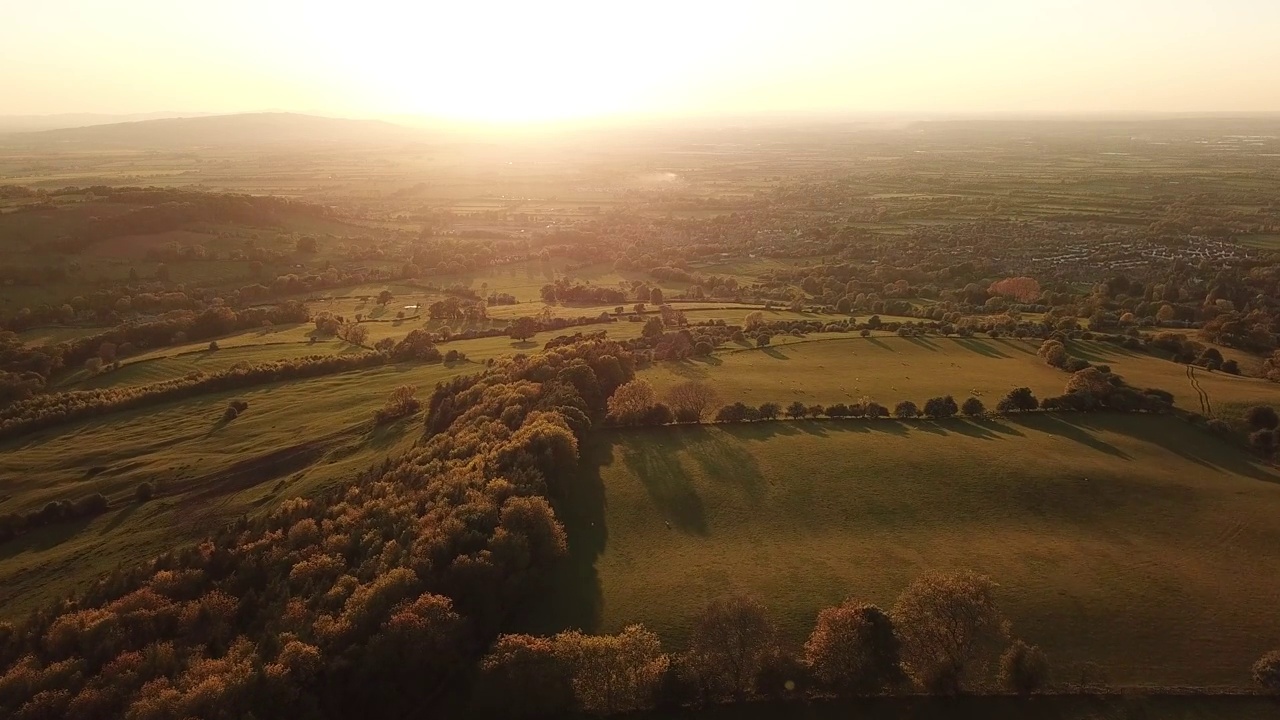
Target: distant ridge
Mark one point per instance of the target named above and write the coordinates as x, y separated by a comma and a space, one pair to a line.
221, 130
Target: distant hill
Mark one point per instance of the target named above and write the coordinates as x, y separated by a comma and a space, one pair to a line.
34, 123
220, 130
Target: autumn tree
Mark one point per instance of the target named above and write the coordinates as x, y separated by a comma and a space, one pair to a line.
754, 319
1053, 352
1266, 672
613, 674
853, 649
523, 328
1090, 380
1024, 668
950, 629
384, 297
524, 676
400, 403
629, 402
691, 399
731, 639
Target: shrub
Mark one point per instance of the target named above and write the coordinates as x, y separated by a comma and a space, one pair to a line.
1266, 672
973, 407
905, 409
1075, 364
1024, 668
1231, 366
144, 492
234, 409
1262, 417
658, 414
400, 403
452, 356
213, 345
1263, 442
737, 412
853, 649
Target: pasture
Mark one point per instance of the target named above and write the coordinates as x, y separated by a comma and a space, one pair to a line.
296, 438
828, 368
1134, 549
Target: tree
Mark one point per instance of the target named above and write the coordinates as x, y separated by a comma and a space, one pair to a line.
1018, 400
689, 400
973, 407
1053, 352
796, 410
356, 334
655, 296
613, 673
629, 402
653, 328
730, 641
1024, 668
144, 492
400, 403
763, 339
1266, 672
941, 407
524, 676
1090, 380
905, 409
950, 629
1262, 417
1231, 366
768, 411
853, 649
815, 410
523, 328
754, 319
384, 297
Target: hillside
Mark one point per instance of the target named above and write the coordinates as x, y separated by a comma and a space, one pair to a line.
1134, 550
219, 130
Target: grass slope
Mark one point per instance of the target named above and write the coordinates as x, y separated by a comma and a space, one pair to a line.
1133, 549
295, 438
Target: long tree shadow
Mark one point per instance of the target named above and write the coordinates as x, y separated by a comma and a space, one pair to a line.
573, 597
879, 343
1017, 345
654, 459
43, 538
981, 347
996, 426
1186, 441
774, 353
1095, 352
1055, 425
723, 459
120, 517
923, 342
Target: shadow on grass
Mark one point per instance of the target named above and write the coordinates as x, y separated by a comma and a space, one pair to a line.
1097, 352
43, 538
981, 347
1186, 441
1018, 345
774, 353
1056, 425
879, 343
923, 342
573, 598
120, 517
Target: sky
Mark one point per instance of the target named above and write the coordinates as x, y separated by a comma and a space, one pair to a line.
545, 60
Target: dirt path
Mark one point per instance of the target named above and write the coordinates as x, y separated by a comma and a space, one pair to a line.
1205, 408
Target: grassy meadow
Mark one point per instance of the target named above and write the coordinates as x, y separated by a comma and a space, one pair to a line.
296, 438
1135, 550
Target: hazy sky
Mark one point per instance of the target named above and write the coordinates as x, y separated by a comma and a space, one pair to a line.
548, 59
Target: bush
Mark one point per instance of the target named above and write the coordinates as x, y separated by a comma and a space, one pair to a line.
1266, 672
234, 410
1024, 668
213, 345
1263, 442
973, 407
737, 412
1075, 364
1262, 417
1231, 366
400, 403
144, 492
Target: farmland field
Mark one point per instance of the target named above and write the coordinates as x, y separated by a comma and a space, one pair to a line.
1138, 548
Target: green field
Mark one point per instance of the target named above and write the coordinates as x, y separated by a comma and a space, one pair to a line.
829, 368
296, 438
1137, 544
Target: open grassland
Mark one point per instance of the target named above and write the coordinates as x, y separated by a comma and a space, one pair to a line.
295, 438
829, 368
1134, 549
